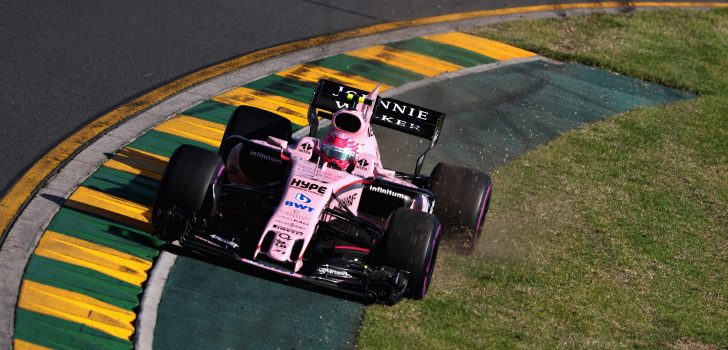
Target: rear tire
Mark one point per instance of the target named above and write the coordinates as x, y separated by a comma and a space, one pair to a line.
186, 185
462, 199
410, 243
255, 124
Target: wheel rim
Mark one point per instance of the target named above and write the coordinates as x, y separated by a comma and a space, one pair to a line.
430, 267
481, 214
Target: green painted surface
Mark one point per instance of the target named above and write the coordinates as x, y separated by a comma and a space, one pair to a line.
123, 185
60, 334
105, 232
164, 144
82, 280
449, 53
220, 113
212, 111
372, 70
206, 306
300, 91
57, 333
495, 116
295, 127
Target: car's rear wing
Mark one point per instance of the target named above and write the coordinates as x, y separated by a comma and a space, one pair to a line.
329, 97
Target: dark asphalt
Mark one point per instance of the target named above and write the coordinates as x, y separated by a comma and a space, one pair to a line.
63, 64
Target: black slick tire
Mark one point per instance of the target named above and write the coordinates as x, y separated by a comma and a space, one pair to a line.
410, 243
186, 185
255, 124
462, 199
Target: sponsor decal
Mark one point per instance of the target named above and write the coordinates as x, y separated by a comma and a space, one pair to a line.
306, 148
265, 157
299, 221
362, 164
208, 241
287, 230
398, 122
341, 89
292, 222
226, 241
280, 243
389, 111
334, 272
401, 108
349, 200
311, 187
302, 198
387, 192
298, 206
301, 227
294, 217
295, 221
341, 105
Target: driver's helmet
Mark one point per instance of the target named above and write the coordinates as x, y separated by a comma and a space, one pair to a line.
338, 149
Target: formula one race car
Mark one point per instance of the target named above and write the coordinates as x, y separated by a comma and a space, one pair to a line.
323, 210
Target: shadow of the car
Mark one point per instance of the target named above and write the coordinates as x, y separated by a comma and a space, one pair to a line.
263, 274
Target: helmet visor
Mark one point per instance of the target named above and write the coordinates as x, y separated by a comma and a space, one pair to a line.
337, 153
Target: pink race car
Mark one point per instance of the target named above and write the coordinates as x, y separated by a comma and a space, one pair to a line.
324, 210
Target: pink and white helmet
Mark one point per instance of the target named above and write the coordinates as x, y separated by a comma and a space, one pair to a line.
338, 149
349, 129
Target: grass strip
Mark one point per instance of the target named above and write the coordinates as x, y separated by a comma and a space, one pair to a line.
613, 235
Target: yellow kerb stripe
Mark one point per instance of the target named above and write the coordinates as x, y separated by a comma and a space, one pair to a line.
111, 262
193, 129
19, 344
138, 162
490, 48
76, 307
290, 109
114, 208
414, 62
312, 73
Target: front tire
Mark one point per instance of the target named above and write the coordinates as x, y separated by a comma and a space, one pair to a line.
186, 185
410, 243
255, 124
462, 199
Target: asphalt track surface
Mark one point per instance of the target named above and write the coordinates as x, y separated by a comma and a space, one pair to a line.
64, 64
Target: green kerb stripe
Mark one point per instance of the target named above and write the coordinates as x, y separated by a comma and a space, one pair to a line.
164, 144
105, 232
295, 127
84, 281
61, 334
372, 70
123, 185
452, 54
212, 111
289, 88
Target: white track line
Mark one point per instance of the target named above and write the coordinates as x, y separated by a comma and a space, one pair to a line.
144, 336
